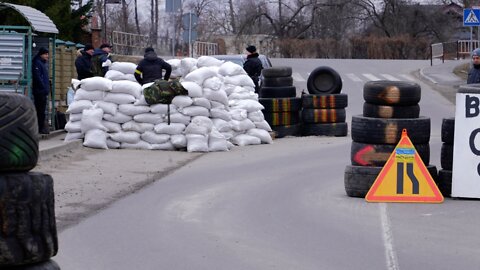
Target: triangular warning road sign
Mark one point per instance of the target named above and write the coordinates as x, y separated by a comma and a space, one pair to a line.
471, 18
404, 178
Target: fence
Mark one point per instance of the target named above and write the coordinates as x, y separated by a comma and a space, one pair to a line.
452, 50
204, 48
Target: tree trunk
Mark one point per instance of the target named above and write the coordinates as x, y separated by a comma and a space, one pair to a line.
232, 17
125, 16
137, 25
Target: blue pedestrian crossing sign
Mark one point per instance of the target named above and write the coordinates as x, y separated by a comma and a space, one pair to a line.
471, 17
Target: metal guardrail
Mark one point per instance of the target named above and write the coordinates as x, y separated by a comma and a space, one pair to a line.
465, 47
204, 48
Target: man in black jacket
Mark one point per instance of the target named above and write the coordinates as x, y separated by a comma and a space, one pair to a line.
474, 72
253, 65
151, 68
83, 63
41, 87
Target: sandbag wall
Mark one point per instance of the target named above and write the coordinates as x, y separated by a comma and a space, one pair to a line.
28, 234
444, 180
390, 107
221, 110
281, 106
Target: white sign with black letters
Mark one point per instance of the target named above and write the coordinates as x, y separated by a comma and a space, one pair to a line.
466, 147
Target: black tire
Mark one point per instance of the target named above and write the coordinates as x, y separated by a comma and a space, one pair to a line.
333, 101
18, 133
284, 131
48, 265
385, 111
281, 104
27, 205
448, 130
389, 130
364, 154
324, 80
398, 93
331, 129
278, 92
359, 179
277, 72
444, 182
282, 118
317, 116
277, 81
446, 156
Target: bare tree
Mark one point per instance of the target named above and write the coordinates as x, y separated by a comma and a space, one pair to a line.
137, 24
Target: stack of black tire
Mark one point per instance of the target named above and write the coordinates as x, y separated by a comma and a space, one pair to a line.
323, 109
278, 95
444, 181
390, 107
28, 234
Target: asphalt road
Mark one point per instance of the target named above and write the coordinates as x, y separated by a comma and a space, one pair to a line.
280, 206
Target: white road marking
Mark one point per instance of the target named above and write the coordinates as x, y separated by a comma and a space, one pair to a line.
353, 77
407, 77
390, 77
371, 77
391, 256
297, 77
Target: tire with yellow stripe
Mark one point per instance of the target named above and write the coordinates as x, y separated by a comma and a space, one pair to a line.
332, 101
281, 104
282, 118
317, 116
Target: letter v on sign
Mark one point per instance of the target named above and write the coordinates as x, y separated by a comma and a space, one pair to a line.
404, 178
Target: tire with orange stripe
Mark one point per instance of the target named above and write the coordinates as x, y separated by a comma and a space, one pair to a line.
281, 104
282, 118
385, 111
332, 101
313, 116
400, 93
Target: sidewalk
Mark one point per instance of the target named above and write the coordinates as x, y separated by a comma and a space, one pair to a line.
51, 144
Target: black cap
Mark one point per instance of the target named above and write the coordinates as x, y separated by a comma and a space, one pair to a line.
105, 45
251, 49
149, 49
42, 50
88, 46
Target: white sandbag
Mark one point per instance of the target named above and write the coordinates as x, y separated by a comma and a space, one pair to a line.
197, 143
220, 113
243, 89
203, 121
152, 118
243, 125
107, 107
127, 87
79, 105
179, 141
146, 85
263, 125
238, 114
208, 61
199, 125
124, 67
230, 145
217, 142
163, 146
132, 110
244, 139
138, 145
188, 65
200, 75
141, 101
96, 83
201, 101
82, 94
125, 136
112, 144
75, 84
119, 98
114, 75
96, 138
230, 69
182, 101
247, 104
92, 119
178, 118
163, 108
194, 90
172, 129
229, 134
256, 116
119, 118
131, 77
73, 127
195, 111
174, 63
154, 138
214, 83
219, 96
75, 117
239, 80
262, 134
112, 126
229, 88
217, 105
221, 125
72, 136
138, 127
243, 95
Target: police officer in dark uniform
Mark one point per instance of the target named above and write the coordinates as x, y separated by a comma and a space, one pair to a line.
151, 67
253, 66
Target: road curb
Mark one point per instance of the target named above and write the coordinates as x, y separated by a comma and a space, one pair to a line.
47, 152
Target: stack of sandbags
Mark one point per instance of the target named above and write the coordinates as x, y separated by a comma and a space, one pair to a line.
121, 71
221, 109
